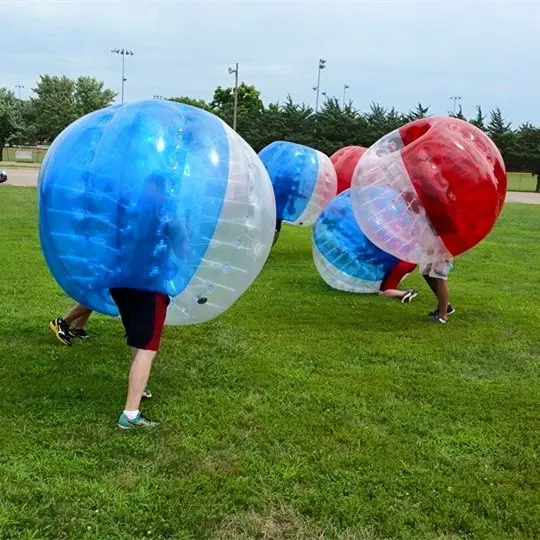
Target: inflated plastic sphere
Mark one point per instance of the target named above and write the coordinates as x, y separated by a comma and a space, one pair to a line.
343, 256
303, 178
345, 161
447, 183
156, 196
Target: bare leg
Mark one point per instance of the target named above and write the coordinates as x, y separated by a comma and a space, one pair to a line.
440, 289
432, 282
77, 311
80, 322
393, 293
138, 377
442, 297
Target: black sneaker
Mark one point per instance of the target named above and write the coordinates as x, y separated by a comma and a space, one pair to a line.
80, 333
409, 296
449, 311
438, 320
61, 330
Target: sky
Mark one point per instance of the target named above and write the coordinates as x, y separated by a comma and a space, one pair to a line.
395, 53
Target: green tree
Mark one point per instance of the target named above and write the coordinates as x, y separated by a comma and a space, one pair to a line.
498, 126
527, 144
377, 124
10, 118
249, 102
459, 114
61, 100
339, 126
479, 119
55, 106
418, 112
200, 103
90, 95
502, 135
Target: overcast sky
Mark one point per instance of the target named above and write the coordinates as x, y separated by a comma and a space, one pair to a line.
396, 53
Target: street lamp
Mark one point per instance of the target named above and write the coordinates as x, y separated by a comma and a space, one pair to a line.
322, 65
19, 86
455, 99
235, 110
124, 53
345, 88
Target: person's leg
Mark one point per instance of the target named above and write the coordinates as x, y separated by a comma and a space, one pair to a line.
61, 325
147, 394
436, 275
442, 296
80, 322
277, 231
76, 312
432, 282
144, 325
138, 377
390, 283
440, 289
393, 293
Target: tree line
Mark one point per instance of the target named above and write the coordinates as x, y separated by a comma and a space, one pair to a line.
58, 101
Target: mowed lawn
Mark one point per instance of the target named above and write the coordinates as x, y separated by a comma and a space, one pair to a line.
302, 413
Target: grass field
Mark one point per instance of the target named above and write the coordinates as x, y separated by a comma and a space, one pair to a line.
302, 413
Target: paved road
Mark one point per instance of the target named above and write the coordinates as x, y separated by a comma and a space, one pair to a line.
22, 177
526, 198
28, 177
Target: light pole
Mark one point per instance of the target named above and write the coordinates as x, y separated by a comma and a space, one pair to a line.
235, 110
124, 53
455, 99
345, 88
322, 65
18, 87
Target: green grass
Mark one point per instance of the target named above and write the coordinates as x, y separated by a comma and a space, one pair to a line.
301, 413
521, 181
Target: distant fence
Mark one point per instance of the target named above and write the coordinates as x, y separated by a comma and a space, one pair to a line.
520, 181
517, 181
25, 154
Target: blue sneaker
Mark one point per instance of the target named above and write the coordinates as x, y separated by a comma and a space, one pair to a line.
139, 422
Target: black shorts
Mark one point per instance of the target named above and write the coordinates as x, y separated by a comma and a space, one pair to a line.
143, 316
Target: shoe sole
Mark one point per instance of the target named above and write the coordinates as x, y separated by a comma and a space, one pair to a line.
125, 428
61, 340
447, 313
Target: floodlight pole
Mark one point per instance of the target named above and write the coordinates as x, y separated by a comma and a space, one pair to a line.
345, 88
235, 110
322, 65
455, 99
123, 52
